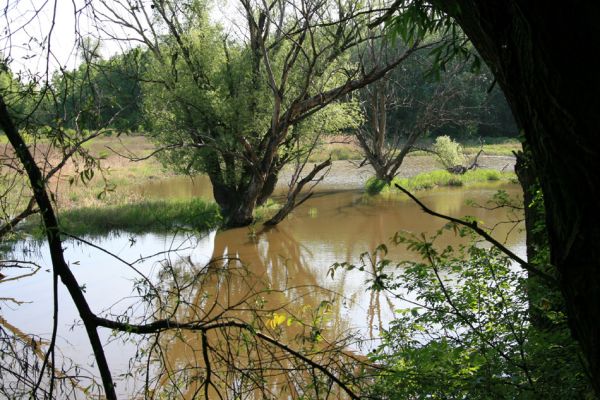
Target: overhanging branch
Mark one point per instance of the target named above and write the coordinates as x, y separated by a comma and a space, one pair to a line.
481, 232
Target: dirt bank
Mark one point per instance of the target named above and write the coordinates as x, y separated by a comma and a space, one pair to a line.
348, 175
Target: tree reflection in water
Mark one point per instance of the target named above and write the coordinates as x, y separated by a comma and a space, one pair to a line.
262, 318
270, 335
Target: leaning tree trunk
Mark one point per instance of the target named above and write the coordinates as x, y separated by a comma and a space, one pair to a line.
540, 54
291, 201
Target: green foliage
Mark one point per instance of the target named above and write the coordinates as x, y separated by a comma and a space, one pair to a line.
448, 151
464, 329
375, 186
234, 104
19, 95
267, 210
430, 180
416, 21
471, 324
149, 216
98, 94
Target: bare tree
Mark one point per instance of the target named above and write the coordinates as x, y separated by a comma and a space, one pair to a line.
406, 105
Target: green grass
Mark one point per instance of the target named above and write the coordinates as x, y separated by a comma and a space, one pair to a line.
266, 211
494, 146
146, 216
336, 152
430, 180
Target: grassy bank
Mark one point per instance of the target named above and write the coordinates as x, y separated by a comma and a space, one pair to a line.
145, 216
493, 146
430, 180
112, 200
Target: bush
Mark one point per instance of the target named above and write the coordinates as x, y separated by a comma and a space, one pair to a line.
374, 185
466, 331
449, 152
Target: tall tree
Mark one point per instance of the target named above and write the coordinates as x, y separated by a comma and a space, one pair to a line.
540, 56
238, 104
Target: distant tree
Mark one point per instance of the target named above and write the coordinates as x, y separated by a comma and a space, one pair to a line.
408, 104
496, 118
103, 88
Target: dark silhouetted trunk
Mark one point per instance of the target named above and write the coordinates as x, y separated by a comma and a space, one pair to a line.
540, 55
60, 267
536, 244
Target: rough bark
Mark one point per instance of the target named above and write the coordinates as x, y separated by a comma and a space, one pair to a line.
540, 55
535, 240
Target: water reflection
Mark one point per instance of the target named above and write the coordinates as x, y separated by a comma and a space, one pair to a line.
178, 187
283, 269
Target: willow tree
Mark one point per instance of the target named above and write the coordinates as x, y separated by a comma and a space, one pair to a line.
233, 107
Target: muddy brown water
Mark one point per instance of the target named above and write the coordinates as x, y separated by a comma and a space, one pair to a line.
343, 175
292, 259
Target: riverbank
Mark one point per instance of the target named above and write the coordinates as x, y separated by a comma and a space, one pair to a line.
138, 196
348, 174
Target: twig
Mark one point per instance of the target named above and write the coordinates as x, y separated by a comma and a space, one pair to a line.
473, 226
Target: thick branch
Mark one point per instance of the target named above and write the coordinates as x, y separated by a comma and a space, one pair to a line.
291, 199
29, 210
161, 325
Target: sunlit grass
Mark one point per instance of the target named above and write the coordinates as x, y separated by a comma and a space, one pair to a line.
145, 216
430, 180
337, 152
267, 210
494, 146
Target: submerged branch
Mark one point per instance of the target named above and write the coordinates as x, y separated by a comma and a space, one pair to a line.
291, 200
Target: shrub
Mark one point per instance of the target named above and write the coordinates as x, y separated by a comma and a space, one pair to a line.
374, 185
449, 152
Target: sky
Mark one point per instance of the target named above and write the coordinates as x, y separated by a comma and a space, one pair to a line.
26, 29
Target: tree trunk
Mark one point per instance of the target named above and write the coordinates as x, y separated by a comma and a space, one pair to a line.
381, 173
241, 207
242, 215
536, 241
291, 202
540, 55
268, 187
236, 203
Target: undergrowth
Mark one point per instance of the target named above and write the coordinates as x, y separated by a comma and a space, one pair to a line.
147, 216
430, 180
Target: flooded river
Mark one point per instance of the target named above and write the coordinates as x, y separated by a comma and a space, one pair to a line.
291, 260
